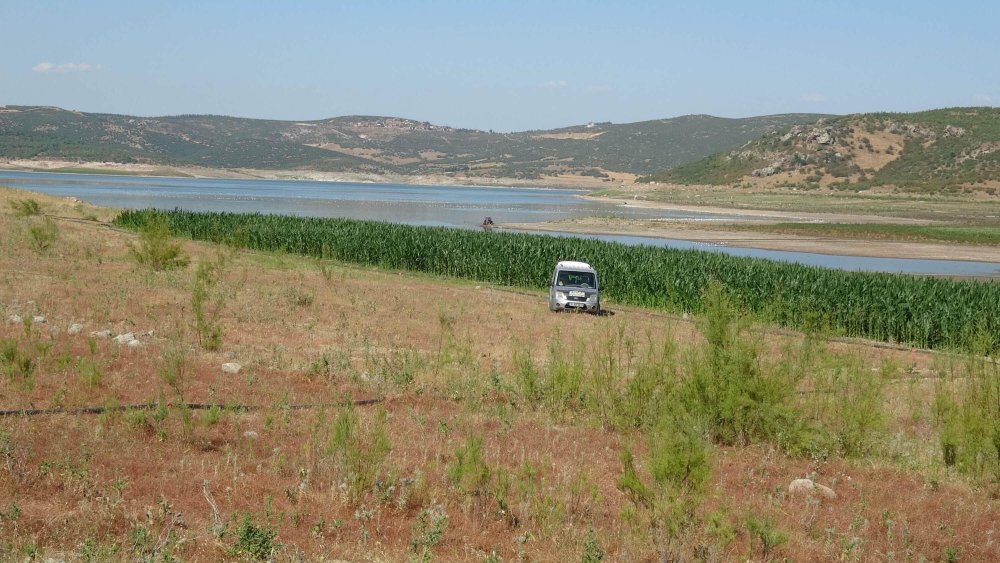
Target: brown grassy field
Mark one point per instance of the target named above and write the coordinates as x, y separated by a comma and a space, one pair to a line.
480, 446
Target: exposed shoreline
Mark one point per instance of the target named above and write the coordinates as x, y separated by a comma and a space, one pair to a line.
761, 215
165, 171
702, 233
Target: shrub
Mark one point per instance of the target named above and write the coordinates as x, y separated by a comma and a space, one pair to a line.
592, 552
427, 532
156, 250
469, 473
42, 235
90, 372
763, 529
680, 465
26, 207
206, 312
967, 413
728, 388
359, 451
255, 542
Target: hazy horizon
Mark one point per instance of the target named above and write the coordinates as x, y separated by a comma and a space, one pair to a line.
511, 67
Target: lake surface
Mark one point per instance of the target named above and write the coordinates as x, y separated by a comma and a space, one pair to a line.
448, 206
444, 206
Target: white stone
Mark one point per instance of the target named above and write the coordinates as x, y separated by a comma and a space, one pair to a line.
250, 434
806, 486
15, 319
799, 486
75, 328
101, 334
134, 344
825, 492
231, 367
124, 338
39, 319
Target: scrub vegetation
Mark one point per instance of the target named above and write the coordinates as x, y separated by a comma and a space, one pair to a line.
942, 151
495, 431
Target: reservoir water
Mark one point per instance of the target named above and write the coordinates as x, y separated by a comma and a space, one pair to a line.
449, 206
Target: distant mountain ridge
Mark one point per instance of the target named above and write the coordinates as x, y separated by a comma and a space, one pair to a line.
942, 150
374, 144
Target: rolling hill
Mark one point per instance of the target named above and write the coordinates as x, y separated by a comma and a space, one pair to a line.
371, 144
945, 150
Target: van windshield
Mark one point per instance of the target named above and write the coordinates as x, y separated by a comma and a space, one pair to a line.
569, 278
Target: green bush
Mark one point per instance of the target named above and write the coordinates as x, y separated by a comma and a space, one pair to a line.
469, 473
967, 414
427, 532
207, 303
156, 250
764, 530
43, 234
360, 451
728, 387
592, 552
25, 207
254, 542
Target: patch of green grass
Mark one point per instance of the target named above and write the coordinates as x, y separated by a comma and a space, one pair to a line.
982, 235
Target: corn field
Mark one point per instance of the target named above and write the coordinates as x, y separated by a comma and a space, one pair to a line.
919, 311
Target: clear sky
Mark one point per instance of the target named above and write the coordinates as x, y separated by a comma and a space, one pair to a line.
499, 65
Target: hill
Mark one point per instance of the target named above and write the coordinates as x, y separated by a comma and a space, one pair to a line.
944, 150
373, 144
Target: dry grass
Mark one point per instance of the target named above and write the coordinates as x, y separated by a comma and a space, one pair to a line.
885, 148
86, 483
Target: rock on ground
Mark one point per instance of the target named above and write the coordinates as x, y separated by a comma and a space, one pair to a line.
15, 319
806, 486
101, 334
75, 328
231, 367
124, 338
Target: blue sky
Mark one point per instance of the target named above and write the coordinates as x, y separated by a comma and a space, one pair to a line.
499, 65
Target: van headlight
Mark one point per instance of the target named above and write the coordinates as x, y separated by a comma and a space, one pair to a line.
560, 295
592, 297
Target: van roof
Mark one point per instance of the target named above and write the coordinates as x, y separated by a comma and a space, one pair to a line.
571, 265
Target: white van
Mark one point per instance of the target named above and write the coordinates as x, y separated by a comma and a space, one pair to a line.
575, 286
